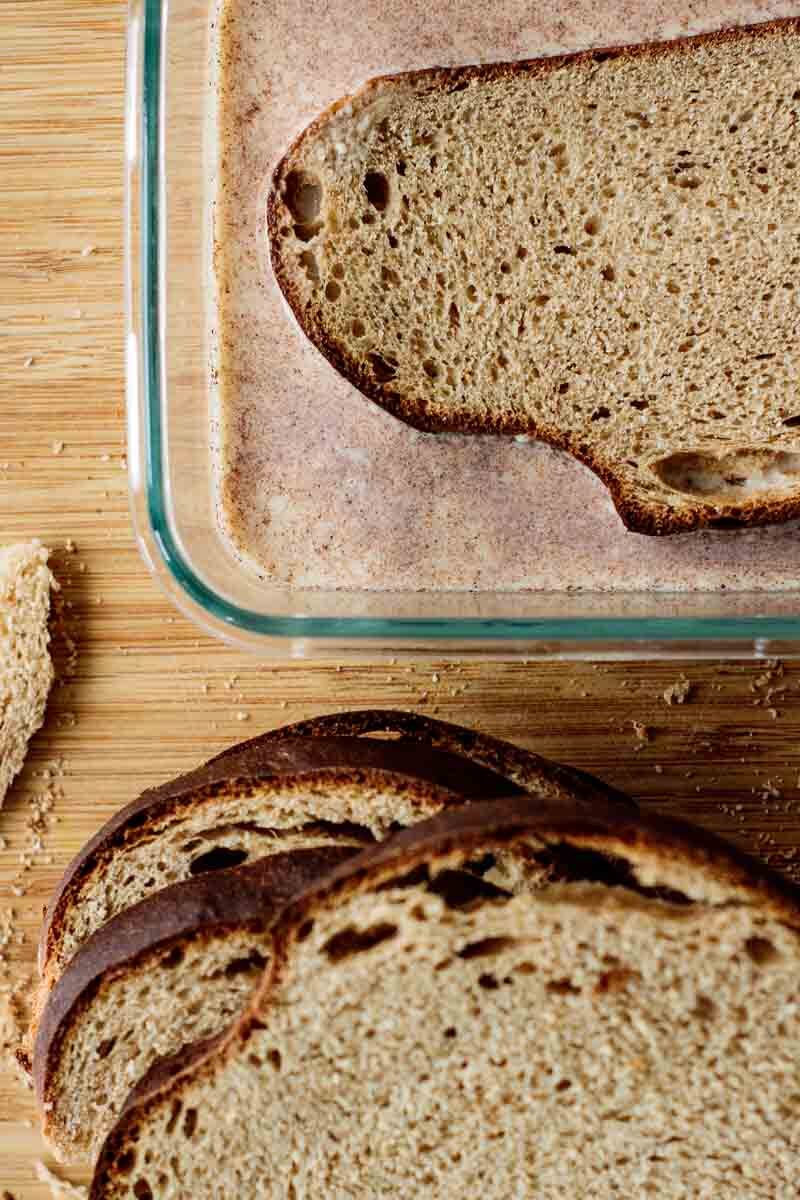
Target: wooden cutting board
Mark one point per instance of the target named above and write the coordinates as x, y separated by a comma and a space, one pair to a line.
147, 695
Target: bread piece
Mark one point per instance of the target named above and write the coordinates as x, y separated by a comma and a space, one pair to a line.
631, 1029
232, 809
282, 795
26, 669
168, 971
597, 250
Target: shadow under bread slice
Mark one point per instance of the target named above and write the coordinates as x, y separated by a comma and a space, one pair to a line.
629, 1028
172, 969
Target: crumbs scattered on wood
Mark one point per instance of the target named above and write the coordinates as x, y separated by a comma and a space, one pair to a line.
678, 692
643, 734
58, 447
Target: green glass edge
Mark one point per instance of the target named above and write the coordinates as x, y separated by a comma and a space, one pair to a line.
571, 630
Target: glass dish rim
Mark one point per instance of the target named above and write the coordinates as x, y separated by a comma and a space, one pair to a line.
158, 542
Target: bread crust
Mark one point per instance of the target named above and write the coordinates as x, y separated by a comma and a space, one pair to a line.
192, 911
654, 517
428, 751
457, 834
277, 755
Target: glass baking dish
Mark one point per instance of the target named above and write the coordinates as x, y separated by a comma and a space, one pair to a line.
170, 165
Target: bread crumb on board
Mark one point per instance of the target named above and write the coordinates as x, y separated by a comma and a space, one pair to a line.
60, 1189
678, 692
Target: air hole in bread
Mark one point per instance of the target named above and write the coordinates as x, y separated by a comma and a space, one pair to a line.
383, 369
244, 966
274, 1059
302, 193
105, 1047
450, 1032
704, 1009
472, 293
173, 959
218, 859
562, 987
565, 863
761, 951
601, 414
126, 1162
177, 1109
462, 889
592, 226
488, 982
431, 368
376, 185
358, 328
332, 290
791, 422
615, 980
734, 475
351, 941
486, 947
190, 1123
609, 274
307, 233
308, 261
142, 1190
455, 317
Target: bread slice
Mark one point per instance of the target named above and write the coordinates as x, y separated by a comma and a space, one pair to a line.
598, 250
26, 669
168, 971
630, 1029
283, 791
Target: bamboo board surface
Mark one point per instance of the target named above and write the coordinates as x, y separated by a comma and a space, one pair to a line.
149, 696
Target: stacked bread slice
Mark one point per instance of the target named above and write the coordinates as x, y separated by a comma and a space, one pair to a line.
630, 1028
159, 929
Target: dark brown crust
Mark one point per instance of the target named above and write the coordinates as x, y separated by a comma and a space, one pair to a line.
648, 517
524, 768
197, 908
278, 755
470, 830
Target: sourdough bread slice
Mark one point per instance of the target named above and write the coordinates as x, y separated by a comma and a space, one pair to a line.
629, 1029
26, 669
597, 250
166, 972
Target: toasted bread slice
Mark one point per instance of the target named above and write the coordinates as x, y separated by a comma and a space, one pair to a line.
630, 1028
597, 250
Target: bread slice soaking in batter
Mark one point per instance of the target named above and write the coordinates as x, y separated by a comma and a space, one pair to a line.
599, 250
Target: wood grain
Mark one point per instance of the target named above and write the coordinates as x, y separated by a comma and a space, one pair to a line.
150, 696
